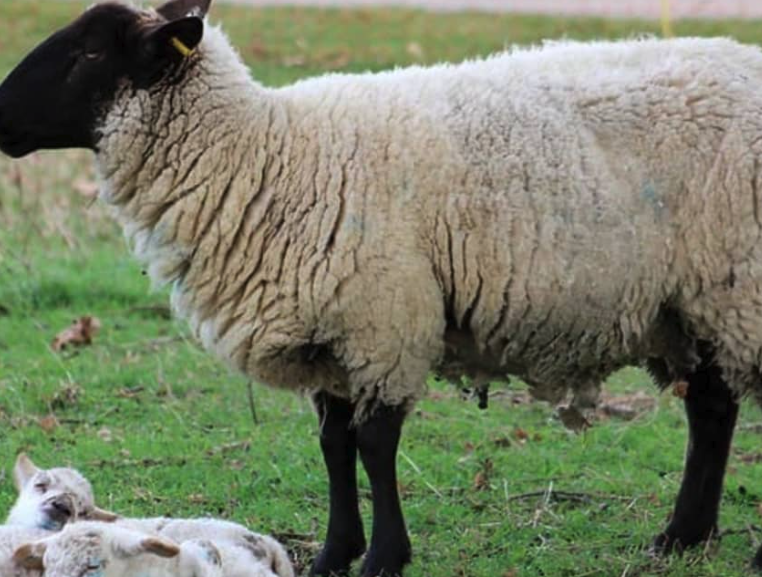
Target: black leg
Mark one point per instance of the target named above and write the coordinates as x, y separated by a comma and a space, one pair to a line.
345, 539
712, 413
378, 439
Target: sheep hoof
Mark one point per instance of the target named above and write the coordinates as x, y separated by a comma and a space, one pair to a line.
387, 563
334, 561
675, 542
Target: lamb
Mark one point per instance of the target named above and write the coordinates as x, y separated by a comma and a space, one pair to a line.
240, 544
12, 537
557, 212
48, 499
79, 502
116, 551
94, 548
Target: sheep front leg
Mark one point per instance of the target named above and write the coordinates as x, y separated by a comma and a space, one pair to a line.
345, 539
377, 439
712, 412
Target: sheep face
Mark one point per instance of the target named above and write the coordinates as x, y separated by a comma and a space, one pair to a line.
48, 499
56, 96
96, 550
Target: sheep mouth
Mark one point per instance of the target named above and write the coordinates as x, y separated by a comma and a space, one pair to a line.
57, 514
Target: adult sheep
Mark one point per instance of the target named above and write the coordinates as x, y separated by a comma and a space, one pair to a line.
555, 213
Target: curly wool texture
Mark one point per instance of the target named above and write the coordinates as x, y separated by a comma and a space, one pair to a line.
531, 213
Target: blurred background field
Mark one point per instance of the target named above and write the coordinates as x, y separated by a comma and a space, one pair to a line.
162, 428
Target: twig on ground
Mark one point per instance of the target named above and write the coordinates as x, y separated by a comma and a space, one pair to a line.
252, 408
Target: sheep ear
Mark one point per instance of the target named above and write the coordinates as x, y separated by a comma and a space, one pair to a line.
134, 545
29, 556
176, 9
176, 38
23, 471
160, 547
103, 515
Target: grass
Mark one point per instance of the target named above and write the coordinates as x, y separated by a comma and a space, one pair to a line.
162, 428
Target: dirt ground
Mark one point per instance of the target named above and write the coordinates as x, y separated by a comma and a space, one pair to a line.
610, 8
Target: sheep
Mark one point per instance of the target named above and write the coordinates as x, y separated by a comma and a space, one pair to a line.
29, 511
48, 499
557, 212
117, 551
12, 537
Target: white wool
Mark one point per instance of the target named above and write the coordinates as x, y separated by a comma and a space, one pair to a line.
532, 213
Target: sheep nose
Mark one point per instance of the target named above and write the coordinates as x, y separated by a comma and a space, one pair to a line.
61, 508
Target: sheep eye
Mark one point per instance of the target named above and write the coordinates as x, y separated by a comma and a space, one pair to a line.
91, 55
41, 486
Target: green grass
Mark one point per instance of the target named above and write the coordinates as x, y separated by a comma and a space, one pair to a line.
162, 428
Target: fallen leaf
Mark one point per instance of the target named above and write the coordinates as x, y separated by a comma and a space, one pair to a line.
481, 479
573, 419
85, 187
520, 434
81, 332
67, 396
48, 423
414, 49
105, 434
196, 498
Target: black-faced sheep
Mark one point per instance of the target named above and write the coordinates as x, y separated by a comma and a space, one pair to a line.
556, 212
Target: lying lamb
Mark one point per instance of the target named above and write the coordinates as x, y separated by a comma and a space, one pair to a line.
557, 213
50, 498
68, 486
111, 550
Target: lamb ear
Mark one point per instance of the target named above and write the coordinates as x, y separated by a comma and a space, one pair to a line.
30, 555
102, 515
23, 470
138, 545
176, 9
177, 38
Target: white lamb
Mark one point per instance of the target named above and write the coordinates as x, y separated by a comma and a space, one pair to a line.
66, 487
111, 550
50, 498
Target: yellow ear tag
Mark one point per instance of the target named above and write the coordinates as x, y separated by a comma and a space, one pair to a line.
180, 47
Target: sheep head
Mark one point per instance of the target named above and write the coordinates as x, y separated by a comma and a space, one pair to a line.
48, 499
56, 96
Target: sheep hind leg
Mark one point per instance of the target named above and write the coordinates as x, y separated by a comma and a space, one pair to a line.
378, 439
712, 411
345, 538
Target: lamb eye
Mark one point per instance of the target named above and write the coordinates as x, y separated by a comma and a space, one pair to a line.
91, 55
41, 486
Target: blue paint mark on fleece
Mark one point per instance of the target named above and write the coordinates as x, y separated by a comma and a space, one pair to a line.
649, 194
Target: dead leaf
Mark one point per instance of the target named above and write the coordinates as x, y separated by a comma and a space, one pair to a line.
67, 396
502, 442
105, 434
81, 332
511, 573
414, 50
520, 435
197, 498
573, 419
86, 187
482, 477
680, 389
48, 423
130, 392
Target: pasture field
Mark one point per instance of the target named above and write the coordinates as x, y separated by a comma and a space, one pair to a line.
162, 428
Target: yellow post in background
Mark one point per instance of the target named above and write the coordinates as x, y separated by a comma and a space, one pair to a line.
666, 19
